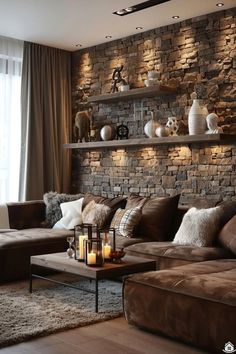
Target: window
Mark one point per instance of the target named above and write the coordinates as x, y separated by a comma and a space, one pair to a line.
11, 54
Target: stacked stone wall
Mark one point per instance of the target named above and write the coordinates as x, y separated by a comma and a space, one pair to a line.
199, 52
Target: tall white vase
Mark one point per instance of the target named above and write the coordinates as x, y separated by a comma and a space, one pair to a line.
197, 118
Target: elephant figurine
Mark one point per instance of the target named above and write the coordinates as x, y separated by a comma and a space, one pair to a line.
82, 125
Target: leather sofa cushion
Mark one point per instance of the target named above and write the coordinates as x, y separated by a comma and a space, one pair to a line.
227, 236
122, 241
27, 237
117, 202
26, 214
194, 303
158, 215
113, 203
169, 255
135, 200
228, 209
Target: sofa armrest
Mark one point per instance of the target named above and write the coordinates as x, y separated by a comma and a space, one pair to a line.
26, 215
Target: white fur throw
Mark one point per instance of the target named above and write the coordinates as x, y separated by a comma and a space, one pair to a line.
199, 227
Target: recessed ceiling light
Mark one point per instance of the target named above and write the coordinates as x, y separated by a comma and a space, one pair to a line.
129, 9
108, 37
121, 12
139, 7
175, 17
78, 45
139, 28
220, 4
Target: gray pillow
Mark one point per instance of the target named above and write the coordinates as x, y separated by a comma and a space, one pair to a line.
53, 201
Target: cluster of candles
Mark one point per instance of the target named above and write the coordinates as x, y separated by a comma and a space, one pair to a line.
93, 245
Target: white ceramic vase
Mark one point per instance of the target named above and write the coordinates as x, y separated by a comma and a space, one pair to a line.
106, 132
150, 128
197, 118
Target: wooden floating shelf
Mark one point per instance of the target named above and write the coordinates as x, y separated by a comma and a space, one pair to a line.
142, 92
142, 142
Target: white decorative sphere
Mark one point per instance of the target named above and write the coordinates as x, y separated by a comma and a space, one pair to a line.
106, 132
162, 131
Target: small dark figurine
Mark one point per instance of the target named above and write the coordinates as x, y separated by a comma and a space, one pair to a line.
117, 79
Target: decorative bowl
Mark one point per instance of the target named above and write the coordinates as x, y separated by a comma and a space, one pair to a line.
117, 255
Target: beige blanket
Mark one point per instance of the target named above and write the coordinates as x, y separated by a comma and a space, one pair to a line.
4, 217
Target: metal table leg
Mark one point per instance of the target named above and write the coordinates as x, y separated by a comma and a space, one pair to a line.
30, 280
96, 295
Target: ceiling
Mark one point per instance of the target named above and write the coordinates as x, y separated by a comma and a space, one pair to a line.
65, 23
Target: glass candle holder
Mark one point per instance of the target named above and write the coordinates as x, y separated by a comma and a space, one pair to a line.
80, 237
108, 242
94, 252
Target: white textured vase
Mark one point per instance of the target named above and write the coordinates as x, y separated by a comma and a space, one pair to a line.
150, 128
197, 119
106, 133
172, 125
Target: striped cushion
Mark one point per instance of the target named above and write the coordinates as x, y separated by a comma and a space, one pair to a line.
125, 220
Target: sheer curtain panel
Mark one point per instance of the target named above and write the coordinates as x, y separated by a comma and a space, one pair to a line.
46, 121
11, 53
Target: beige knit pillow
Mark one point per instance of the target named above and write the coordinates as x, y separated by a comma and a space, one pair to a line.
95, 214
125, 220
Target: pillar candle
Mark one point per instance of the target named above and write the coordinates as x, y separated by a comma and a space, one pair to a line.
91, 259
81, 246
106, 251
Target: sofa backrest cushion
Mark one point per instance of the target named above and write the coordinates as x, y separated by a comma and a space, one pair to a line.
113, 203
227, 236
228, 211
157, 219
26, 215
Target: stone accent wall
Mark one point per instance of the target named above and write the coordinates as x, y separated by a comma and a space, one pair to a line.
199, 52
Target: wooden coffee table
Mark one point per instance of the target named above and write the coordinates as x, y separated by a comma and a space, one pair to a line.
61, 262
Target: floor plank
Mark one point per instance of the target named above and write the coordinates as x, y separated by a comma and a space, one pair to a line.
114, 336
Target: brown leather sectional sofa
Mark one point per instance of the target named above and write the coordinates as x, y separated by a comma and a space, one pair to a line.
192, 295
29, 238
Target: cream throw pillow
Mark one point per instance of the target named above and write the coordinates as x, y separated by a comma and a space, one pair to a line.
95, 214
199, 227
125, 220
71, 215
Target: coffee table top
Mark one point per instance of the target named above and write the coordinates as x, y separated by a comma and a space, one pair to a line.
61, 262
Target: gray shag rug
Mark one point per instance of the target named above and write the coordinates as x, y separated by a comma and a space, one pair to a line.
52, 308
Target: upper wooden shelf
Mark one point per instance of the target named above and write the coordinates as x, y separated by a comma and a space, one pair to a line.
142, 142
152, 91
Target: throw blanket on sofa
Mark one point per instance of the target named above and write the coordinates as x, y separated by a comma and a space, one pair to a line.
4, 217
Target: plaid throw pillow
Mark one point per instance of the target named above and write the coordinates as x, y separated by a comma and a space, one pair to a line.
125, 220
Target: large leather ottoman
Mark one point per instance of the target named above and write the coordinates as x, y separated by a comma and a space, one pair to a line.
194, 303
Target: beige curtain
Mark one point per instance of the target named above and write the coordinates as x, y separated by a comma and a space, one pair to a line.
46, 121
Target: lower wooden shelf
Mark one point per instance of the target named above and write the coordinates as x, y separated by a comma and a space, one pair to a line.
142, 142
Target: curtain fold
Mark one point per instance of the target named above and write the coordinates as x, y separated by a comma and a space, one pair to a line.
46, 121
11, 54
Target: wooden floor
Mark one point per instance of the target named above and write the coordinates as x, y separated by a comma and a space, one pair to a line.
113, 337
